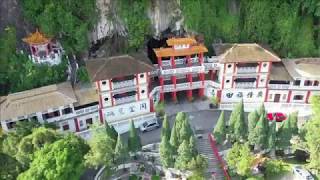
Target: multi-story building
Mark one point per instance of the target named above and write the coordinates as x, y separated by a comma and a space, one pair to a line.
122, 83
127, 87
43, 49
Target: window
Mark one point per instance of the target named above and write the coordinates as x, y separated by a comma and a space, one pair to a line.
227, 81
229, 65
141, 75
298, 97
65, 127
297, 82
104, 82
11, 125
67, 110
315, 83
142, 91
284, 97
89, 121
307, 83
80, 123
264, 64
261, 80
51, 115
106, 99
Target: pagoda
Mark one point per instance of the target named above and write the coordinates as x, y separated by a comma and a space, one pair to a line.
43, 49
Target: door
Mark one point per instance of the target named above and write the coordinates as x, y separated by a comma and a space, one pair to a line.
277, 97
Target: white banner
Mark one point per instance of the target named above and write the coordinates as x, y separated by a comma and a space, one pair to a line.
248, 95
127, 111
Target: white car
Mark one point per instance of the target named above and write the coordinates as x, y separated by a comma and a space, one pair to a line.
301, 174
149, 125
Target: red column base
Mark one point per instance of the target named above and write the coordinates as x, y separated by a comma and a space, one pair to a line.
189, 95
161, 96
174, 96
201, 92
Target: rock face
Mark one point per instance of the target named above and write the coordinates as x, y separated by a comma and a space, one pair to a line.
11, 15
162, 14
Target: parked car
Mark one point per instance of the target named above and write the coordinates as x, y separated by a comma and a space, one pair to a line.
198, 132
149, 125
278, 116
301, 173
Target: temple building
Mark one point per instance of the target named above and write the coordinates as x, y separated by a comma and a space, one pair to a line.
127, 87
44, 50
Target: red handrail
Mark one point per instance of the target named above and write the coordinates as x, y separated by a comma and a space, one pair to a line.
216, 153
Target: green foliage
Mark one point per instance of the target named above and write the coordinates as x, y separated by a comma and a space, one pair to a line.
166, 153
34, 142
69, 21
260, 133
134, 143
159, 107
293, 120
18, 73
272, 136
284, 135
174, 137
82, 75
198, 166
193, 146
253, 118
239, 159
165, 130
219, 131
237, 125
134, 16
120, 151
112, 133
61, 160
312, 135
101, 149
184, 156
275, 167
9, 167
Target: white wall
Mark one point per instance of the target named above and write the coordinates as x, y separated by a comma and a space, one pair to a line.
94, 116
262, 81
228, 82
143, 91
265, 66
107, 102
283, 95
142, 78
103, 86
229, 68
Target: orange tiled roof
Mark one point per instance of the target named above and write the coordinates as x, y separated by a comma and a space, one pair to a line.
36, 38
168, 52
178, 41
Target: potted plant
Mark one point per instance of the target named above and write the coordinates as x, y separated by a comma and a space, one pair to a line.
213, 103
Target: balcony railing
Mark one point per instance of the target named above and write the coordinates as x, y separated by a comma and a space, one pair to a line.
245, 84
246, 70
122, 84
192, 69
279, 86
123, 100
86, 110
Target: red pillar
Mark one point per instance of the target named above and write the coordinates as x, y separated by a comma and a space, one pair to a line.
219, 95
174, 96
189, 94
308, 95
289, 96
101, 116
161, 90
76, 124
161, 96
201, 92
159, 62
151, 105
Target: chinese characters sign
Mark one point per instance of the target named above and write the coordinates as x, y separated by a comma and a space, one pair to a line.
248, 95
127, 110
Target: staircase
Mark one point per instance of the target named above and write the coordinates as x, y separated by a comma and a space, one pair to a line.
214, 166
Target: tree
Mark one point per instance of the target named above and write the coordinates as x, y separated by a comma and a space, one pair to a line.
174, 137
34, 142
120, 151
184, 156
237, 123
82, 75
111, 132
165, 131
284, 135
293, 120
219, 131
9, 167
253, 118
198, 166
193, 146
261, 110
312, 135
69, 21
101, 149
272, 138
166, 153
134, 143
239, 159
62, 159
260, 133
